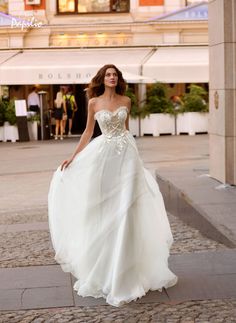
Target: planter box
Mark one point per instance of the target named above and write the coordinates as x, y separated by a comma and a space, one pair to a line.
134, 126
33, 130
10, 132
157, 124
1, 133
192, 122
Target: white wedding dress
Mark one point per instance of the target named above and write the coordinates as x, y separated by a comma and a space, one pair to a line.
107, 219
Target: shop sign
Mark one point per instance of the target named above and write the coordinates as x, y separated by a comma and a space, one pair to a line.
89, 41
50, 76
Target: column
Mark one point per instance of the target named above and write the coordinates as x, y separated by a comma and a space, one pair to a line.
222, 132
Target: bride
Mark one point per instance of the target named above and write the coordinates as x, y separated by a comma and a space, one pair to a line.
107, 218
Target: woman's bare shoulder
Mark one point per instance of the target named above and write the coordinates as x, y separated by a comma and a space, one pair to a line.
127, 98
91, 105
92, 102
127, 101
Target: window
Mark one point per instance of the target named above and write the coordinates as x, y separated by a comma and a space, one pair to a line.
4, 6
190, 2
92, 6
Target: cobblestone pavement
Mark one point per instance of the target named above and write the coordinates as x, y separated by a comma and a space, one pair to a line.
214, 311
31, 248
188, 239
24, 216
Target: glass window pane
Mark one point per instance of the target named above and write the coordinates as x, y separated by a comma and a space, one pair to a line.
4, 6
93, 5
66, 5
120, 5
190, 2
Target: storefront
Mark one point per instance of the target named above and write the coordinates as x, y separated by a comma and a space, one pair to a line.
170, 48
50, 68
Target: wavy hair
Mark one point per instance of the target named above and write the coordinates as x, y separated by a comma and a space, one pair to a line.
96, 86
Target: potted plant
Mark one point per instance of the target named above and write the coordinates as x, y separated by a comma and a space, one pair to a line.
33, 122
10, 127
2, 119
193, 116
134, 113
158, 112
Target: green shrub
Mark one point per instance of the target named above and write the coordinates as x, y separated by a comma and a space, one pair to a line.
157, 100
195, 100
33, 118
3, 106
135, 111
10, 114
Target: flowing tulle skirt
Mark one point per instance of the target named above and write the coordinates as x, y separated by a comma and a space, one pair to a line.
108, 223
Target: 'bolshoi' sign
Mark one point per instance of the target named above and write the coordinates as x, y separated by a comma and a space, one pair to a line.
61, 77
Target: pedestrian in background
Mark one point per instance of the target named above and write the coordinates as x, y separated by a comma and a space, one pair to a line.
59, 111
33, 100
70, 106
177, 102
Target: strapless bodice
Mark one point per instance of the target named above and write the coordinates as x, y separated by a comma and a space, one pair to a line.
112, 124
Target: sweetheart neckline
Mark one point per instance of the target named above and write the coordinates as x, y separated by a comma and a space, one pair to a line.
113, 112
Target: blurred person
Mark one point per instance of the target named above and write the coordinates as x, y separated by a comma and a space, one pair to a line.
71, 107
59, 112
177, 102
33, 100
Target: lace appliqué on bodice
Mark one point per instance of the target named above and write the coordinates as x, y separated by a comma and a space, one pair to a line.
112, 125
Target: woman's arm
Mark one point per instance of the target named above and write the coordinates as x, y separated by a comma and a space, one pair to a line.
64, 106
86, 136
75, 104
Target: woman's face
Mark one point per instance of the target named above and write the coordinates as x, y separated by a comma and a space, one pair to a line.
111, 78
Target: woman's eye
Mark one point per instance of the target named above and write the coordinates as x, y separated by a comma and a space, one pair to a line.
108, 75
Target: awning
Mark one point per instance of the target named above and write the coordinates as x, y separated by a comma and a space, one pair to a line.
65, 66
139, 65
5, 55
178, 65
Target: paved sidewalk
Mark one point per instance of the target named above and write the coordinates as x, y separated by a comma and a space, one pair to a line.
29, 277
203, 276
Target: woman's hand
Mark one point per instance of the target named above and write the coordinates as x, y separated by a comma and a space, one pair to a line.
66, 163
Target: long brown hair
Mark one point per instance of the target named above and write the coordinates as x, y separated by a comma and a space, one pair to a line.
96, 86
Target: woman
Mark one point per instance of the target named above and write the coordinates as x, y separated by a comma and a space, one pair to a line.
107, 218
71, 107
59, 111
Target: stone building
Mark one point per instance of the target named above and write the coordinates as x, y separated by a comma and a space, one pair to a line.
222, 39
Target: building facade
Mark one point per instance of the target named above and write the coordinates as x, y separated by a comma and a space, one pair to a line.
52, 42
79, 23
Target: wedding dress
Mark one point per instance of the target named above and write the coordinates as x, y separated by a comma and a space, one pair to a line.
107, 218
